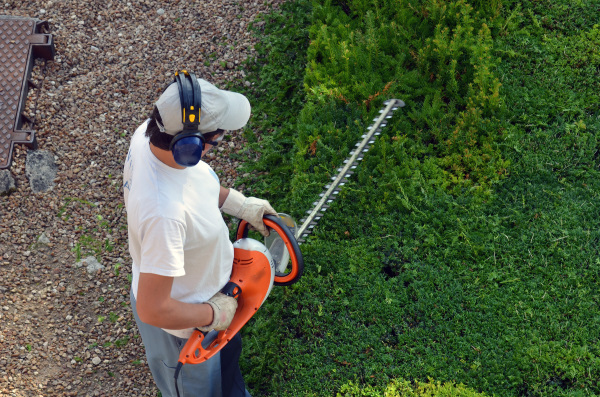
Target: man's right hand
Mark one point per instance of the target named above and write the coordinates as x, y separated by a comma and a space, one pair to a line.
224, 308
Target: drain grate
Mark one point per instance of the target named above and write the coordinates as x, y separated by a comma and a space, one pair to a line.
21, 41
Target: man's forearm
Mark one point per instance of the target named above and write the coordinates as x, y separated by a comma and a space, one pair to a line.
174, 314
223, 193
156, 307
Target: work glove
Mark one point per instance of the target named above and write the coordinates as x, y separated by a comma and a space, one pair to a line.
249, 209
223, 311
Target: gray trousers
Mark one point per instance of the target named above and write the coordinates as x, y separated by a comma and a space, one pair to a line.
220, 376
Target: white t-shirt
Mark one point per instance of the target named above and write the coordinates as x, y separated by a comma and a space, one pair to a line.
175, 226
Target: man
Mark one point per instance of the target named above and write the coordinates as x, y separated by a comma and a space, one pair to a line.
179, 243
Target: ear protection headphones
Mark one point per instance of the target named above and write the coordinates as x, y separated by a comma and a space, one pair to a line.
187, 146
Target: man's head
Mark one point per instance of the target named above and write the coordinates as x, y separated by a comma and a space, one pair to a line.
220, 110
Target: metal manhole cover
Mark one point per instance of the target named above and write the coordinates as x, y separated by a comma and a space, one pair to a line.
21, 41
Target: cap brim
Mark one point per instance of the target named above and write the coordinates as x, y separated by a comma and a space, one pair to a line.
237, 114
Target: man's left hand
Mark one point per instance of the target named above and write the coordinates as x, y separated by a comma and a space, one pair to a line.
250, 209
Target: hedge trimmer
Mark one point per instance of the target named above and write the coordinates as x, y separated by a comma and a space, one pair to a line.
257, 267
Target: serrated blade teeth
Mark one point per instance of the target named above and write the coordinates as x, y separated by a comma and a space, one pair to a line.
333, 189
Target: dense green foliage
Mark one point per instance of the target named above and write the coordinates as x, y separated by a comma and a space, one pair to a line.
466, 247
402, 388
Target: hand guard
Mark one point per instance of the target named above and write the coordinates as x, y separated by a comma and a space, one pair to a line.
224, 309
250, 209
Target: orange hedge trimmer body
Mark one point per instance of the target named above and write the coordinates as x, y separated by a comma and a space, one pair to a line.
252, 278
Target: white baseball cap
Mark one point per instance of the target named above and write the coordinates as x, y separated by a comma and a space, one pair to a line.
220, 109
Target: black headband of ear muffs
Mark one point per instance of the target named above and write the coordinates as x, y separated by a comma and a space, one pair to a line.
190, 97
187, 145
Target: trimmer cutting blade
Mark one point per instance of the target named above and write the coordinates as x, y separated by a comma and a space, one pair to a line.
344, 172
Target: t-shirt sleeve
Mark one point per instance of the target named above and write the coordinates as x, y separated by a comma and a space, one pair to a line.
162, 242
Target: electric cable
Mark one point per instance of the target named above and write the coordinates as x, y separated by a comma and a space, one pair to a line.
177, 369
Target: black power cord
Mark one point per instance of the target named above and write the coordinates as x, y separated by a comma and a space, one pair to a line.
179, 365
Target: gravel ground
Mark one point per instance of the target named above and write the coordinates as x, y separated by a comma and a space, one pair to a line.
67, 332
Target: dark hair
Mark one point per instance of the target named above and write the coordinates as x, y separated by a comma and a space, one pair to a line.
162, 140
159, 139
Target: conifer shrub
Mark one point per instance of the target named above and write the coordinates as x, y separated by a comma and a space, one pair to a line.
436, 56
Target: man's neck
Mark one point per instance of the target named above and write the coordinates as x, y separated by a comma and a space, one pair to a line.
165, 156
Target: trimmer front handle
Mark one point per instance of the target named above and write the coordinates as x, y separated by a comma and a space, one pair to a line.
297, 262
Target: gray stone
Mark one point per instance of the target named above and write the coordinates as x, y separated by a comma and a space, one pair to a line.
40, 169
91, 263
7, 182
43, 239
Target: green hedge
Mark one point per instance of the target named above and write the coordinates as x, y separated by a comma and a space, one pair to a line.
402, 388
417, 271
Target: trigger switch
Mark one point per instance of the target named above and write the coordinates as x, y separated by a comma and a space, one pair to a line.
232, 289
